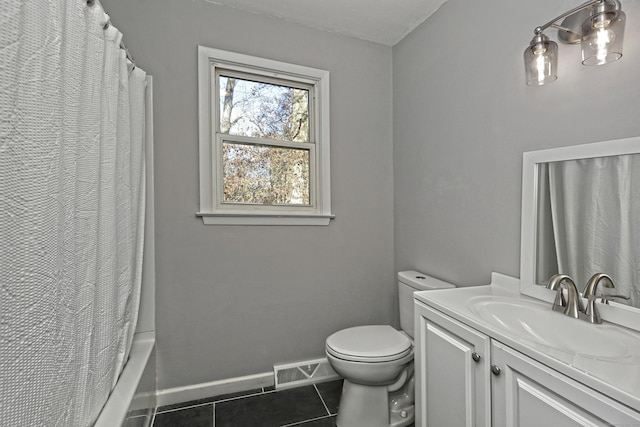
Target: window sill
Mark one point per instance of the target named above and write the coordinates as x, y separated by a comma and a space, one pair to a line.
263, 219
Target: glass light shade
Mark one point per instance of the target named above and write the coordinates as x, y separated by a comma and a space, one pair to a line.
602, 37
541, 61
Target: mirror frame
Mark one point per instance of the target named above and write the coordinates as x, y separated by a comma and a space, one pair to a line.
615, 313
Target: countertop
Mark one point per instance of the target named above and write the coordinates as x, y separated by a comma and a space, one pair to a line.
618, 378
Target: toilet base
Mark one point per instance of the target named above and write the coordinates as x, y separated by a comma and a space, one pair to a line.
362, 405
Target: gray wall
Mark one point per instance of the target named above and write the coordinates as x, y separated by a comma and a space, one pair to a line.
463, 116
233, 301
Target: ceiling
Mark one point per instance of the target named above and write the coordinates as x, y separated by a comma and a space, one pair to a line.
380, 21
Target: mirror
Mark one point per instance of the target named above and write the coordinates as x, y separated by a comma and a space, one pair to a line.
580, 216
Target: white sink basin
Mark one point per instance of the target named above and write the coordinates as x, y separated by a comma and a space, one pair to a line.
536, 323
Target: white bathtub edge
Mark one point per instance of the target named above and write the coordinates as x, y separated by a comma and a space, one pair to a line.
115, 410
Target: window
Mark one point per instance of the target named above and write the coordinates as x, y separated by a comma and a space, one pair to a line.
264, 141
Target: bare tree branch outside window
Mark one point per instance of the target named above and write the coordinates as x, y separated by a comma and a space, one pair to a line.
260, 173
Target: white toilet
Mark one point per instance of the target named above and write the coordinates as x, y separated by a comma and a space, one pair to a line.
376, 362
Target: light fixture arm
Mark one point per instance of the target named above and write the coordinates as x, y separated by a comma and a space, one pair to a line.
552, 23
559, 27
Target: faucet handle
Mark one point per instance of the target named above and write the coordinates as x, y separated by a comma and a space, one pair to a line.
606, 298
592, 312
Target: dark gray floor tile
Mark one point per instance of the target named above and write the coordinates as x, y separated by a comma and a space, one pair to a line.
198, 416
323, 422
331, 392
270, 409
208, 400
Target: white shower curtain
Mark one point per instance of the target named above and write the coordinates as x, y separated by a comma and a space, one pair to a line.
72, 198
594, 204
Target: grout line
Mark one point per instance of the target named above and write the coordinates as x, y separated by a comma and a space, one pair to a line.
306, 421
240, 397
180, 408
213, 402
322, 400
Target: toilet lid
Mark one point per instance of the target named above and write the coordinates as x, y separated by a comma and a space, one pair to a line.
370, 343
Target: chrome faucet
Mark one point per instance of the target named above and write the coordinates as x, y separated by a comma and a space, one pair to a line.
572, 306
554, 284
590, 295
592, 284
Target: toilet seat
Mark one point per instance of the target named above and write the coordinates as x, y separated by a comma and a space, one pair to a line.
370, 343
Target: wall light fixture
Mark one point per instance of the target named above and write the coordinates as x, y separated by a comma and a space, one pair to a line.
598, 25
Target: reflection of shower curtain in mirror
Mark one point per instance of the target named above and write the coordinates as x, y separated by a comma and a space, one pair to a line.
595, 205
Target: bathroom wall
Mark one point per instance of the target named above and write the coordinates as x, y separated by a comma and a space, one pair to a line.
463, 116
232, 300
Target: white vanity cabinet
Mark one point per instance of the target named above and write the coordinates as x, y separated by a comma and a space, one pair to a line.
465, 378
452, 371
526, 393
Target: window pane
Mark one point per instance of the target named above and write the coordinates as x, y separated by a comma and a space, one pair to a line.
264, 110
265, 174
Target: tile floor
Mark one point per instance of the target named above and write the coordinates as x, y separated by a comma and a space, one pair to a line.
307, 406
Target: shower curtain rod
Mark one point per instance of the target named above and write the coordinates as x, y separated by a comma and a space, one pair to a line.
107, 24
129, 56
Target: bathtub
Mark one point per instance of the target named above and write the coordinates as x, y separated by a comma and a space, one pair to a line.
133, 400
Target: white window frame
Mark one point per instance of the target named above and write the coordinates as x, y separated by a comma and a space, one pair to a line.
212, 211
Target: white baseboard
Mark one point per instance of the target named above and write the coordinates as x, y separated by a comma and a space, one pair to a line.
175, 395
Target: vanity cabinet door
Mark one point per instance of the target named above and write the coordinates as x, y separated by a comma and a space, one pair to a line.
529, 394
452, 372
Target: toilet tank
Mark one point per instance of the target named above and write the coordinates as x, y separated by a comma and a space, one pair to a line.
408, 283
